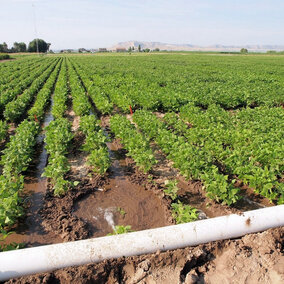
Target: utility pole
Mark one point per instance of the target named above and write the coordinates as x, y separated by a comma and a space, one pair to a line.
34, 13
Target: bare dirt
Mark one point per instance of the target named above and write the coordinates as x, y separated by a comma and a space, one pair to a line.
6, 60
254, 258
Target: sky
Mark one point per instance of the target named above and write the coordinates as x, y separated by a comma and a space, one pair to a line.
103, 23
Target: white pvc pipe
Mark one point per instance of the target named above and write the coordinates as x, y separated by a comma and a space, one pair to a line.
46, 258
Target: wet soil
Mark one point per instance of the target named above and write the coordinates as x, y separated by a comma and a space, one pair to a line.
254, 258
97, 204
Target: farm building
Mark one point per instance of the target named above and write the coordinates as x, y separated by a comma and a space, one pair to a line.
121, 49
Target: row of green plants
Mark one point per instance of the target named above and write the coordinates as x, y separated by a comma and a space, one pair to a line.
81, 104
60, 95
15, 160
166, 83
12, 74
247, 143
43, 96
16, 108
137, 145
95, 144
3, 130
57, 140
18, 86
4, 56
192, 161
99, 98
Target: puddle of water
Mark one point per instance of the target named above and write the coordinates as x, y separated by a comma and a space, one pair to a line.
31, 231
121, 203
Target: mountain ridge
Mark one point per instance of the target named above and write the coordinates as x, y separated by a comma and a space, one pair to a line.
191, 47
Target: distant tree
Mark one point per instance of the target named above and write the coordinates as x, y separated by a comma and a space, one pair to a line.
157, 49
133, 48
4, 47
42, 46
139, 48
243, 51
19, 47
129, 49
146, 50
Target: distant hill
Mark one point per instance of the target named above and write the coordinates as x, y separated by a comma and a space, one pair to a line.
190, 47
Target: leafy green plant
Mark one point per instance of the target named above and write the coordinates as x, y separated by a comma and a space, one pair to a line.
17, 155
95, 144
60, 93
181, 152
43, 96
183, 213
15, 159
81, 104
57, 138
16, 108
100, 99
3, 130
121, 211
18, 81
137, 145
118, 230
11, 246
171, 188
4, 56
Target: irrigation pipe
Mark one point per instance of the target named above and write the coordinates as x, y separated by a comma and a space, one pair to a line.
46, 258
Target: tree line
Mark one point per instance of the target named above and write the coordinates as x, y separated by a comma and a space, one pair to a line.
36, 45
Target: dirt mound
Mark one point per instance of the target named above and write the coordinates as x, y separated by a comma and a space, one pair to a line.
254, 258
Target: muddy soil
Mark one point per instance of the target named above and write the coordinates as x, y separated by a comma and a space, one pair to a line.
254, 258
97, 204
122, 201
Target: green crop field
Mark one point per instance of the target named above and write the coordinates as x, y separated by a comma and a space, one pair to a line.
217, 119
